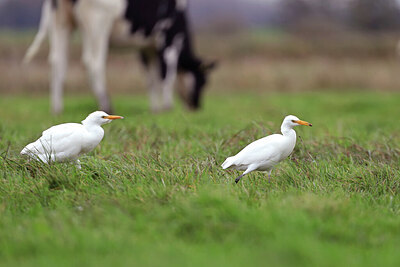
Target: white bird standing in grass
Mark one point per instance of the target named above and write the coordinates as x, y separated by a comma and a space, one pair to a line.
265, 153
66, 142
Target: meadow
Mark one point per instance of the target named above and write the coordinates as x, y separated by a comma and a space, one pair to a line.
153, 192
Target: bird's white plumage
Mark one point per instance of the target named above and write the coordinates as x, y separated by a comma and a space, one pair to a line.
265, 153
68, 141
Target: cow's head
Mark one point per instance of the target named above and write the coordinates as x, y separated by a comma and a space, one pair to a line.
192, 82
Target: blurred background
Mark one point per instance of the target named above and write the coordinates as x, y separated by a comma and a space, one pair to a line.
262, 45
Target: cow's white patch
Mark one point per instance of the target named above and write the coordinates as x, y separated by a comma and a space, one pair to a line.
163, 24
171, 55
171, 60
158, 32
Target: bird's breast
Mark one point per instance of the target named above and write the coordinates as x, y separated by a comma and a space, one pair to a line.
287, 148
91, 141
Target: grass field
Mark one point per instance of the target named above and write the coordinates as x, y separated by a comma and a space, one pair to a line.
153, 193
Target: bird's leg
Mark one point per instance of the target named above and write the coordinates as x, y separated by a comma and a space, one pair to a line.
78, 164
238, 179
249, 169
269, 176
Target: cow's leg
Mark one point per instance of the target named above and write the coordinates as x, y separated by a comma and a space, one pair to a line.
59, 38
95, 33
152, 66
169, 60
154, 84
186, 88
170, 57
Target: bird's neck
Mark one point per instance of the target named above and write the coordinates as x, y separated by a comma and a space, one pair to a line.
288, 131
92, 126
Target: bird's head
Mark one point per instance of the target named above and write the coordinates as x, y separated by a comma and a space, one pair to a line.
100, 118
292, 121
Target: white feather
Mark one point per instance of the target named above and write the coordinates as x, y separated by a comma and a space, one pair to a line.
68, 141
265, 153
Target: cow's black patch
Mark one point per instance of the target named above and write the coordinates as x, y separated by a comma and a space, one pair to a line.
144, 15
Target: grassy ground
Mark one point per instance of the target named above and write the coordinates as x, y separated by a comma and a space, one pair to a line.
153, 193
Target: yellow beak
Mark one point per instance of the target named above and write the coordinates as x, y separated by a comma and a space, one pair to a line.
303, 123
113, 117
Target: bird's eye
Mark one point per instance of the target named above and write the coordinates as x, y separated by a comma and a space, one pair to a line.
103, 117
293, 121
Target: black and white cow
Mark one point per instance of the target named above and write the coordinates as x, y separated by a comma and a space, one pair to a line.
159, 27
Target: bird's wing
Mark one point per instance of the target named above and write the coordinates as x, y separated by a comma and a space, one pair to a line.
61, 131
61, 134
259, 151
56, 138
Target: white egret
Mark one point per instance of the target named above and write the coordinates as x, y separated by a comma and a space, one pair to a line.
265, 153
66, 142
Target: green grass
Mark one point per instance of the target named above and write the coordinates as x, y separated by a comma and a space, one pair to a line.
153, 193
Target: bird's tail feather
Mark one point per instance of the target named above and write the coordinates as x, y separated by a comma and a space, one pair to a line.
27, 150
227, 163
24, 151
